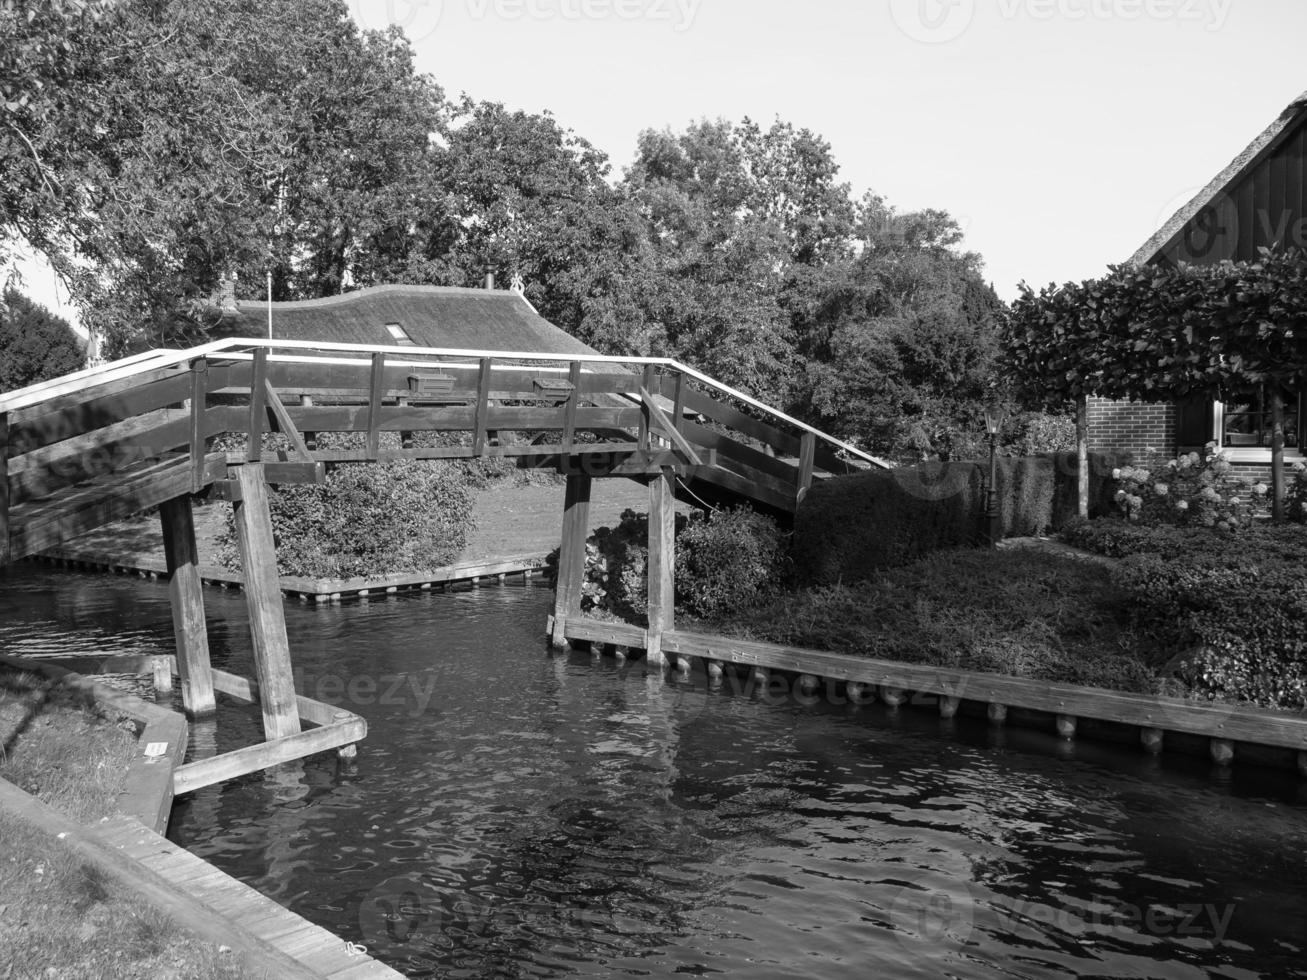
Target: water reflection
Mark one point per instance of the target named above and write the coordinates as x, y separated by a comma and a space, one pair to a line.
513, 814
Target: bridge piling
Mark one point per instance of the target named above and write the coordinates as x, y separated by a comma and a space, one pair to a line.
186, 592
662, 560
571, 557
263, 599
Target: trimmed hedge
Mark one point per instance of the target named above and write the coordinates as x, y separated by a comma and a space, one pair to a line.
850, 526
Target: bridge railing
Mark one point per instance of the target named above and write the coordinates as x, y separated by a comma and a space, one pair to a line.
158, 413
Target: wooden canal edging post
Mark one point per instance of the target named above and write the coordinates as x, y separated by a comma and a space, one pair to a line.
186, 591
571, 557
662, 561
264, 601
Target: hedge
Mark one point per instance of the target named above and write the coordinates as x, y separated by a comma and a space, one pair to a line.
848, 527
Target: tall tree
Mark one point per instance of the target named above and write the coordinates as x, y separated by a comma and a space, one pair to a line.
35, 344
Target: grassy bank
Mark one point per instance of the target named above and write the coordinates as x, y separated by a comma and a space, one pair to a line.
60, 917
1021, 613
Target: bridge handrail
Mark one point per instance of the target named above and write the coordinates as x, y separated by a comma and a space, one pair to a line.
237, 348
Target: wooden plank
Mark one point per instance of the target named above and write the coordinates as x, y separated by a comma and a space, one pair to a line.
186, 592
664, 425
263, 599
807, 455
254, 448
783, 442
571, 556
284, 423
375, 388
482, 406
599, 631
56, 425
732, 449
446, 418
753, 489
244, 689
199, 410
569, 412
302, 472
1283, 730
255, 758
41, 526
649, 382
4, 488
678, 400
662, 561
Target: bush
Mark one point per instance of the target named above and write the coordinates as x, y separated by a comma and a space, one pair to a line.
729, 560
1117, 538
1195, 488
368, 519
848, 527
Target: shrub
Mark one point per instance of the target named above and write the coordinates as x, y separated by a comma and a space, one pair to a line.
1041, 433
368, 519
848, 527
729, 560
1197, 488
1117, 538
1231, 609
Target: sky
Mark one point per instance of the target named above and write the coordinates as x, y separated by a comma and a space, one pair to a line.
1059, 133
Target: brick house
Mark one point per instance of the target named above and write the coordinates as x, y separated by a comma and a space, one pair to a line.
1259, 200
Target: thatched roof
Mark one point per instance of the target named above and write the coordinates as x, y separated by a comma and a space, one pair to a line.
431, 316
1239, 166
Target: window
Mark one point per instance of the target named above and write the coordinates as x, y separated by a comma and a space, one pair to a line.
399, 335
1247, 424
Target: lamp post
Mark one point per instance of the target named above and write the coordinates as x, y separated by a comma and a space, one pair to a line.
993, 518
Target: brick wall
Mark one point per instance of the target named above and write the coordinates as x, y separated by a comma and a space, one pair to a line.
1131, 426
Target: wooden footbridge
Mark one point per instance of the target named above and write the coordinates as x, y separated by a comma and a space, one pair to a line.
102, 444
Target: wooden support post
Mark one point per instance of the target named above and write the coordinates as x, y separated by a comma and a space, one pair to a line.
1082, 456
808, 683
807, 454
1066, 726
715, 671
1222, 750
893, 696
199, 405
860, 693
684, 665
483, 413
1151, 739
310, 438
1277, 454
948, 705
571, 557
646, 423
376, 390
997, 713
569, 411
662, 560
254, 450
161, 675
263, 599
4, 488
678, 404
1302, 764
186, 592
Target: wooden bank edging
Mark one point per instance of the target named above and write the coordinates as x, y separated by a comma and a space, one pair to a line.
161, 744
272, 940
1224, 725
305, 589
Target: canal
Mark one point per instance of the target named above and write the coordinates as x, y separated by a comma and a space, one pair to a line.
514, 814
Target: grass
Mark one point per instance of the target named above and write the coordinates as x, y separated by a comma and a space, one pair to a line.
59, 916
1021, 613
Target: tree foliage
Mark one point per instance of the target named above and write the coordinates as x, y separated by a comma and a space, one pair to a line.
35, 344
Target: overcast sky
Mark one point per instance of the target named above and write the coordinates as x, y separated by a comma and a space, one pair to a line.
1060, 133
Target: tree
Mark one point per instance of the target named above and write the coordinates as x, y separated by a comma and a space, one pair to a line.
35, 344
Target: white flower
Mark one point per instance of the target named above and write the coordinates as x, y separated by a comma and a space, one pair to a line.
1182, 505
1161, 489
1209, 493
1261, 489
1116, 473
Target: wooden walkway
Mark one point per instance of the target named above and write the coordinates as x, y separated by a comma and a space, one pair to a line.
214, 906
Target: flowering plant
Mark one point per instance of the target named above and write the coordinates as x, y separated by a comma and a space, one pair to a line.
1196, 488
